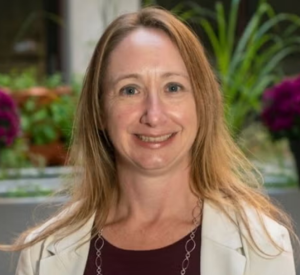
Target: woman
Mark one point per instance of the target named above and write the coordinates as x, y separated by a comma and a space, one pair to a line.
161, 187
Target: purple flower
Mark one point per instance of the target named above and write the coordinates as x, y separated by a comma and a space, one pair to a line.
281, 109
9, 120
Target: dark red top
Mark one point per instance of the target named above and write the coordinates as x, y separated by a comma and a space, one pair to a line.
162, 261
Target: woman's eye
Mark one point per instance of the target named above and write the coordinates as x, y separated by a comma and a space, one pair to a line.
129, 91
174, 88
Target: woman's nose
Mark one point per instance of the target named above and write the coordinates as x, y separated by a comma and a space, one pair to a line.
154, 111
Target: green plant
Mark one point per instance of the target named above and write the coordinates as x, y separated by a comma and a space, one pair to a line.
63, 111
147, 3
19, 80
43, 121
15, 156
50, 122
52, 81
37, 123
247, 64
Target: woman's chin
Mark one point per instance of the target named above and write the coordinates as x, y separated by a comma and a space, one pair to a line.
154, 164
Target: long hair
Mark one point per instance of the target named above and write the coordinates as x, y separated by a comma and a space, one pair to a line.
219, 171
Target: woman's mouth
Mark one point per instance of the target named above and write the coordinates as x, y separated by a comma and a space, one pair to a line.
154, 139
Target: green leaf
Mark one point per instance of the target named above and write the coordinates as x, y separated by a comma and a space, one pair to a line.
30, 105
201, 11
221, 20
213, 39
39, 116
249, 31
232, 25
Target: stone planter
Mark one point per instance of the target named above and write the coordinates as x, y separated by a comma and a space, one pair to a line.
32, 180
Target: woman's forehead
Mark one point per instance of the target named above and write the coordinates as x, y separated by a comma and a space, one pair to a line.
146, 50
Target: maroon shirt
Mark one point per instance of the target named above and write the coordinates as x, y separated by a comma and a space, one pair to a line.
162, 261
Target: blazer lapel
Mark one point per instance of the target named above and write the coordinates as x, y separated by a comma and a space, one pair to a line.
220, 244
68, 256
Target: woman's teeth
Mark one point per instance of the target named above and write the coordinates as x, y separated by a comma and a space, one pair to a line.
154, 139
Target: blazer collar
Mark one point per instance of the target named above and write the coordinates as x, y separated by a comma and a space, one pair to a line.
220, 245
69, 255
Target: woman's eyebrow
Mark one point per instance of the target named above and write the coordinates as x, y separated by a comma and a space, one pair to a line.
139, 76
168, 74
114, 81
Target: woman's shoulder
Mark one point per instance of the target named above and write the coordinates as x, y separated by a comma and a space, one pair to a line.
250, 223
267, 243
264, 231
258, 218
53, 237
62, 227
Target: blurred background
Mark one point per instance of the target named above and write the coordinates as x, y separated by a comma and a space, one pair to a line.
45, 47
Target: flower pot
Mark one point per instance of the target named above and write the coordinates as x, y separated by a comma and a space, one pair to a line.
295, 149
55, 153
63, 90
43, 95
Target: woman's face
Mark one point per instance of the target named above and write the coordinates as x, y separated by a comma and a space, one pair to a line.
150, 110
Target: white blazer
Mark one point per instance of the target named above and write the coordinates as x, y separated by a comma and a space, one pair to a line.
224, 251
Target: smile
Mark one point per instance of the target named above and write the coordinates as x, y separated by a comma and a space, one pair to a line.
154, 139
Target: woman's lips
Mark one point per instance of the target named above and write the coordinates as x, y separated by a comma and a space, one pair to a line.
154, 141
161, 138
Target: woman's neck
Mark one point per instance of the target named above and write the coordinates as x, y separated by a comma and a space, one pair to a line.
152, 211
149, 199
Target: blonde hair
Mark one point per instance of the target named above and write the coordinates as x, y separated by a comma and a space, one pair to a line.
220, 173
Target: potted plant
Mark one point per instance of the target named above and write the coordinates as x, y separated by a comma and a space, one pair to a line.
247, 61
281, 114
48, 127
46, 108
26, 84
